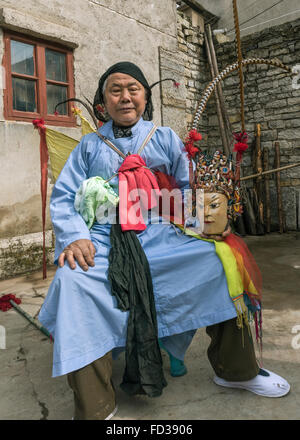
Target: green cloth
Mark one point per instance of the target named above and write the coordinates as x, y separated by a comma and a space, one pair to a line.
131, 283
94, 199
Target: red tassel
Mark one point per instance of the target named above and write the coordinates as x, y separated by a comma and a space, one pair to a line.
192, 137
5, 303
239, 147
100, 108
44, 156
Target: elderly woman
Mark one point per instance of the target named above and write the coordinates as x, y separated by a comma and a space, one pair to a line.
183, 277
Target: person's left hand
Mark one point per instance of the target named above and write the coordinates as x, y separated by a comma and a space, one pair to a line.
218, 237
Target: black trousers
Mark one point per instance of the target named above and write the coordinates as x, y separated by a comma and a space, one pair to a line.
231, 351
231, 354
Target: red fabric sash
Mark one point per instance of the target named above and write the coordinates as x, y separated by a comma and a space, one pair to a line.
174, 210
138, 189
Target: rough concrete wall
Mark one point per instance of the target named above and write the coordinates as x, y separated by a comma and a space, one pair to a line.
271, 101
101, 32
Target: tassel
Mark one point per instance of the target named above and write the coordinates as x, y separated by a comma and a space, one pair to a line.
240, 147
192, 137
5, 303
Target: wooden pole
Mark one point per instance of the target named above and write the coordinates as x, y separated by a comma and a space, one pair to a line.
248, 214
278, 188
219, 88
239, 58
263, 173
31, 319
218, 105
259, 180
267, 190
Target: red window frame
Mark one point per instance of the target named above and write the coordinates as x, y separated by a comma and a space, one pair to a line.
41, 82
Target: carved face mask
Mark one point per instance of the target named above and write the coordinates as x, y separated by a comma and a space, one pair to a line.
215, 213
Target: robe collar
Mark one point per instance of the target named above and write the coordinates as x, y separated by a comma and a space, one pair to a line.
107, 129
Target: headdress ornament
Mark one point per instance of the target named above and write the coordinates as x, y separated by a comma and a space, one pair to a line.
215, 173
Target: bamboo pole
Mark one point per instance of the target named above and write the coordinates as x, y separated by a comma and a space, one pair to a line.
228, 129
248, 214
267, 190
218, 105
259, 181
239, 58
31, 319
275, 170
278, 188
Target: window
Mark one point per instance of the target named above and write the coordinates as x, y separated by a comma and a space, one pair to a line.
38, 76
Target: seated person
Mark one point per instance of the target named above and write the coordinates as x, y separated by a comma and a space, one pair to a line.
175, 282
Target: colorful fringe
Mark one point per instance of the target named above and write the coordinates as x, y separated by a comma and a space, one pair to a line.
243, 280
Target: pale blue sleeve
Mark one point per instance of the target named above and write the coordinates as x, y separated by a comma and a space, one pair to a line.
180, 162
67, 222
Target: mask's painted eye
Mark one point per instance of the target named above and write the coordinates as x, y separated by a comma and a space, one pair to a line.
214, 205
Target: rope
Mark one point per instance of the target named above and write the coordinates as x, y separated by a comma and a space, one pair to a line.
229, 69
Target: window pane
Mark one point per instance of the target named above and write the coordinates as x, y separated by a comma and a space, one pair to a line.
24, 95
56, 65
56, 94
22, 60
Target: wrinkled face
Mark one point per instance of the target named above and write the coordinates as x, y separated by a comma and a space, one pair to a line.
215, 213
124, 99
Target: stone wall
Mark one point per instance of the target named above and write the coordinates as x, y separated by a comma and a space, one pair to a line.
164, 52
187, 65
271, 101
100, 32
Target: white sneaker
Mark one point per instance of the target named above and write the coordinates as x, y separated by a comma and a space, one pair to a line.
112, 413
265, 384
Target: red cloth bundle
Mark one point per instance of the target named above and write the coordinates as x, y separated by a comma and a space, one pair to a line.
5, 302
138, 189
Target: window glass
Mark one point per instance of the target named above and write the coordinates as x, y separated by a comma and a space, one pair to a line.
56, 65
22, 58
23, 95
56, 94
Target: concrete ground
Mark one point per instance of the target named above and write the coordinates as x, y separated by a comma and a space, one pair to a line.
29, 393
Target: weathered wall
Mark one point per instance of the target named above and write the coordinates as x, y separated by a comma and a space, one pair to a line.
271, 101
187, 65
101, 32
152, 41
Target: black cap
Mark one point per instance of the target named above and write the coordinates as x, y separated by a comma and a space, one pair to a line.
129, 69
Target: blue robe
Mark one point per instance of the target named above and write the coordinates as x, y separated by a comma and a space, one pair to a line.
189, 283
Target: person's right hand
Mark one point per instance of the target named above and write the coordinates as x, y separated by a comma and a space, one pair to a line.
83, 251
